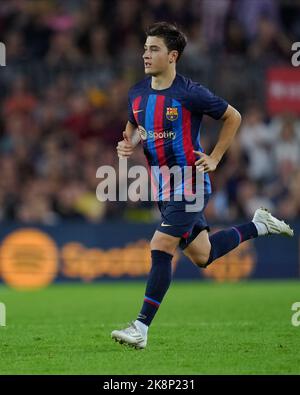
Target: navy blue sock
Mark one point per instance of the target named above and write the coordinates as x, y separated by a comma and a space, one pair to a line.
226, 240
159, 280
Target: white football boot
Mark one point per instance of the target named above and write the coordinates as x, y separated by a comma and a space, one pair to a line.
273, 225
132, 336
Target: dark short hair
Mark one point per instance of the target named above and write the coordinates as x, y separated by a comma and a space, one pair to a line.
172, 36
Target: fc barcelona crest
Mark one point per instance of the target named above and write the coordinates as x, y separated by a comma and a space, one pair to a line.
172, 113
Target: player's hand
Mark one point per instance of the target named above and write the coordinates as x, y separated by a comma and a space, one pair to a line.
206, 163
125, 147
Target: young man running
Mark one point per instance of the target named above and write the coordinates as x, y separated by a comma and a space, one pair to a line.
166, 110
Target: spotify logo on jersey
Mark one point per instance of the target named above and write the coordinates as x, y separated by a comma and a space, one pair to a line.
164, 134
143, 133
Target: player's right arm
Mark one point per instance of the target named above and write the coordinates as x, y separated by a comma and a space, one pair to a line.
130, 140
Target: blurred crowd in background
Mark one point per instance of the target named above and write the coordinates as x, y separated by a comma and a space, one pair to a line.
63, 97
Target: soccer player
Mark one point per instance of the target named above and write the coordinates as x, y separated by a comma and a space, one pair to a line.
166, 110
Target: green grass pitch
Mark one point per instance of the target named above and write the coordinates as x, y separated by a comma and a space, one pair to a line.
201, 328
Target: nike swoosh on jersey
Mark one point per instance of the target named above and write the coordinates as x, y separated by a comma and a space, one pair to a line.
136, 111
163, 224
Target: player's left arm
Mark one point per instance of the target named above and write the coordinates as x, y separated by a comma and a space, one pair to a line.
231, 122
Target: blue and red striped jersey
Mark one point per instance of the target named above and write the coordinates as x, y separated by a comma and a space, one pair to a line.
169, 122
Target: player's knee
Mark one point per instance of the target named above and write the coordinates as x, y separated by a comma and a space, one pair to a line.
162, 243
200, 260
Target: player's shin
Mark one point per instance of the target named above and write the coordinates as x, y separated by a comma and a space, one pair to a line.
158, 282
226, 240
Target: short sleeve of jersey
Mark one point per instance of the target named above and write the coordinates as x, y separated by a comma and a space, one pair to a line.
205, 102
131, 118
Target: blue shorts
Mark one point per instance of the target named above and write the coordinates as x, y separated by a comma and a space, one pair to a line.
177, 222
